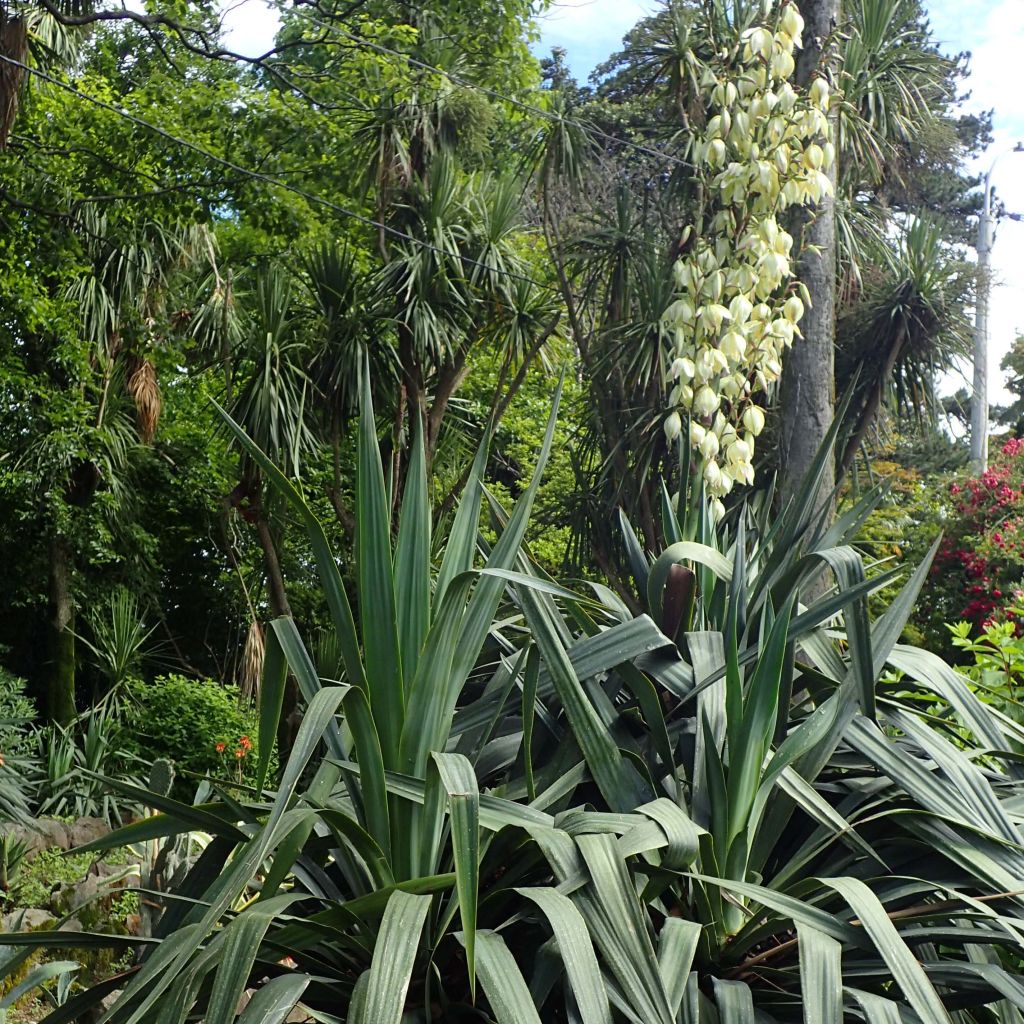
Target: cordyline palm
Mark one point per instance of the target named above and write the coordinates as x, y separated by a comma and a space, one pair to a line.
272, 398
461, 283
906, 328
894, 85
30, 36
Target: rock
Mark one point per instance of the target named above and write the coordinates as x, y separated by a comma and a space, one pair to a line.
27, 920
73, 895
87, 830
44, 834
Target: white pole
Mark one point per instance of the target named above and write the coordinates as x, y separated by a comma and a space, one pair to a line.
979, 396
979, 393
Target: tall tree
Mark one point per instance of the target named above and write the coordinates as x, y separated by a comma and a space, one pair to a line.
807, 394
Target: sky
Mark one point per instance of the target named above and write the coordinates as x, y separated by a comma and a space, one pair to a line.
992, 30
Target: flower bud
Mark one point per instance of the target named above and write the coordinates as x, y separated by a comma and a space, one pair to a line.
717, 510
793, 310
697, 433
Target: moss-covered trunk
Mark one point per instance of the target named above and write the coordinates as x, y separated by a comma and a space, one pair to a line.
60, 690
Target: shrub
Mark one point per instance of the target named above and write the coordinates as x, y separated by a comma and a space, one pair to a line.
17, 713
196, 723
979, 568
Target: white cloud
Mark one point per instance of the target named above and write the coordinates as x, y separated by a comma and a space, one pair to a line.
590, 30
249, 26
993, 32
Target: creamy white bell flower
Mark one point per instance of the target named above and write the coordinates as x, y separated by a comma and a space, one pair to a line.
709, 445
705, 402
753, 419
673, 426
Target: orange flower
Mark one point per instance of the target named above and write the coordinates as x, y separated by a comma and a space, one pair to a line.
220, 748
245, 743
239, 753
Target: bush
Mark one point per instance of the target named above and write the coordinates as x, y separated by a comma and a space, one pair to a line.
196, 723
17, 713
978, 572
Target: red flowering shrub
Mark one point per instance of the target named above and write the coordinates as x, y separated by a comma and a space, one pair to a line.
979, 568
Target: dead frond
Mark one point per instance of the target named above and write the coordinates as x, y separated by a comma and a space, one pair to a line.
250, 671
145, 393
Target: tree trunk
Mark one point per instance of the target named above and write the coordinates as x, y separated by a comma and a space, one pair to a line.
60, 693
871, 406
807, 395
275, 578
291, 715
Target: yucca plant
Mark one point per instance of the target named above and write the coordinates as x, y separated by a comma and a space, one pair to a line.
378, 860
778, 815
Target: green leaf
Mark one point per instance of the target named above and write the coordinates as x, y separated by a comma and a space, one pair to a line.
459, 781
821, 976
906, 970
412, 559
624, 938
377, 611
460, 549
507, 992
371, 768
577, 953
330, 576
394, 956
38, 975
848, 567
305, 674
887, 629
616, 778
682, 835
272, 688
877, 1010
683, 551
274, 1001
735, 1002
238, 950
677, 945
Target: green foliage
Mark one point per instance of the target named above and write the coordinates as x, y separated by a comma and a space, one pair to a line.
45, 872
740, 813
183, 721
998, 661
74, 763
17, 715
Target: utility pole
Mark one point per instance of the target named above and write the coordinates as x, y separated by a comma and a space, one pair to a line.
979, 394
